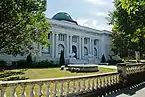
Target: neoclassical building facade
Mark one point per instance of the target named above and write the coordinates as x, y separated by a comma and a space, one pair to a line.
80, 44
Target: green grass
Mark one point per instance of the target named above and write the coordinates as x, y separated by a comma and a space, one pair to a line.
56, 72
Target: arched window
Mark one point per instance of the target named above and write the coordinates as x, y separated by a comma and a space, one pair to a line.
85, 51
95, 52
60, 48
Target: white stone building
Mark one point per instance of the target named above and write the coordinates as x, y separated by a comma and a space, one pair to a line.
86, 44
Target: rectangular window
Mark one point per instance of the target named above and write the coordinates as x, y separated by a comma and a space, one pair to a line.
48, 35
85, 41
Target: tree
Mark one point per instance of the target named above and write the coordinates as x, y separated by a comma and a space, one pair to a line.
103, 59
62, 60
128, 27
22, 22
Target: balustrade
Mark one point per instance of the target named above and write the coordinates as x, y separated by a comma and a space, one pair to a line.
57, 87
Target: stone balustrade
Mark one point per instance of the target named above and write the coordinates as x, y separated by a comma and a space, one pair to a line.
58, 87
86, 86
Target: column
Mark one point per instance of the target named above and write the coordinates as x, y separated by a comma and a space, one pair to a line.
67, 54
52, 41
70, 44
82, 46
79, 47
90, 46
93, 47
56, 46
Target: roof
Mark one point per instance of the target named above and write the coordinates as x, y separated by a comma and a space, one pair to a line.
63, 16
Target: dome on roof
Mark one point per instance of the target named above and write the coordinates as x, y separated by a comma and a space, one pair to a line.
63, 16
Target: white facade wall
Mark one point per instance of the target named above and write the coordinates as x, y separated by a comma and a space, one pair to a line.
69, 30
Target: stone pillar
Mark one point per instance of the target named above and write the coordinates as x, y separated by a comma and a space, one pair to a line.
80, 47
56, 54
67, 46
90, 47
53, 38
121, 68
70, 44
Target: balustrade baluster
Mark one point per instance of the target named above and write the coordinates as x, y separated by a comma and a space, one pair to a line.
32, 93
23, 94
88, 84
55, 89
79, 87
13, 91
47, 89
40, 93
84, 85
73, 86
3, 92
67, 88
61, 88
93, 83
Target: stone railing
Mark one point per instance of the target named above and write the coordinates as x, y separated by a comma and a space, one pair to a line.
59, 87
79, 86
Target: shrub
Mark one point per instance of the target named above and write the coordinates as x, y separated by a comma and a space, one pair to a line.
103, 60
114, 62
45, 64
62, 60
3, 63
29, 59
22, 63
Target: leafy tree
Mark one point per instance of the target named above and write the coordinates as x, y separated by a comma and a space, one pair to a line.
128, 27
62, 60
22, 22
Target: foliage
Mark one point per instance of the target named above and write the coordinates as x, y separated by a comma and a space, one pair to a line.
22, 22
114, 62
2, 63
62, 60
44, 64
128, 27
29, 59
21, 63
103, 59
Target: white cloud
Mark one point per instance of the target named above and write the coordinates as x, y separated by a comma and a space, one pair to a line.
94, 24
102, 14
97, 2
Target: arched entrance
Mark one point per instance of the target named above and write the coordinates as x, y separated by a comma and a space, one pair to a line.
74, 50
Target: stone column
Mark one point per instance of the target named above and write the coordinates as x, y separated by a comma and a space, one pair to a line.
82, 46
70, 44
90, 47
121, 68
52, 41
67, 46
79, 47
56, 54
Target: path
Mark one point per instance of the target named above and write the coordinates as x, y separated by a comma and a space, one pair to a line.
134, 91
108, 66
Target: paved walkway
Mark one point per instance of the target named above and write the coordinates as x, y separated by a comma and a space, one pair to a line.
134, 91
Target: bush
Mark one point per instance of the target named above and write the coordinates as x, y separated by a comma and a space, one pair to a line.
29, 59
45, 64
3, 63
61, 60
103, 60
114, 62
21, 63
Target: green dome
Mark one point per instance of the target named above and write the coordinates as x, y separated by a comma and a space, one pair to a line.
63, 16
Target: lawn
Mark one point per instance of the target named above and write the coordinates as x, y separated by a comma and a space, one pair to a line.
47, 73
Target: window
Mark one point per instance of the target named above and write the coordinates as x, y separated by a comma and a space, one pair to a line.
85, 51
48, 35
95, 52
60, 48
74, 39
46, 50
85, 41
61, 37
95, 42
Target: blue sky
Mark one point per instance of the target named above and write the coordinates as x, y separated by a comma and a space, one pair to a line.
90, 13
